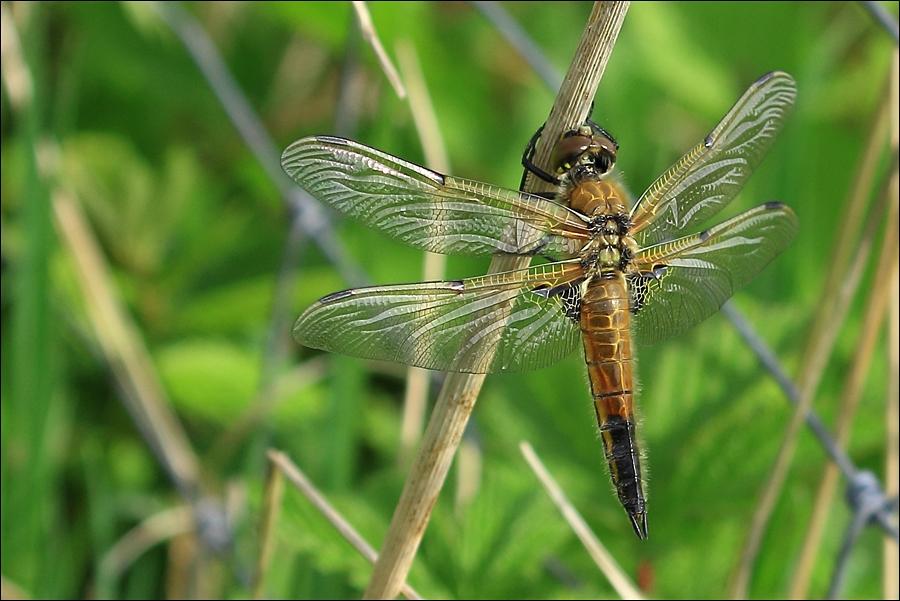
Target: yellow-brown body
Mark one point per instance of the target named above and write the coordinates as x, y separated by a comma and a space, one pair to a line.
604, 320
607, 351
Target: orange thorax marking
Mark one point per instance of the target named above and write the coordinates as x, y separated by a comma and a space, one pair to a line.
590, 196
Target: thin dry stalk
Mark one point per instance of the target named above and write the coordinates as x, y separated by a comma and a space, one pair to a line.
415, 401
124, 349
299, 479
268, 520
457, 398
469, 462
12, 591
829, 321
16, 74
853, 211
142, 393
892, 442
417, 379
153, 530
367, 28
607, 564
422, 109
892, 411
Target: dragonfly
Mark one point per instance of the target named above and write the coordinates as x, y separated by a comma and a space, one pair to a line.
614, 272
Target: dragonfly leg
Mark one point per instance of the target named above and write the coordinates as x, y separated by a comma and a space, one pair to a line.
527, 157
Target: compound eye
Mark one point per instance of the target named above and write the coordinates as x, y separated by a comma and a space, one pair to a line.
606, 144
568, 150
604, 152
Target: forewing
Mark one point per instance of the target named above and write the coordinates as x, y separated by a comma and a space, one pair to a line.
708, 177
503, 322
686, 280
428, 210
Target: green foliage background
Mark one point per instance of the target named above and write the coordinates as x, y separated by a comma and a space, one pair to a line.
196, 232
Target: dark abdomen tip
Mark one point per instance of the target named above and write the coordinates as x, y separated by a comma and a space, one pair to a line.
639, 521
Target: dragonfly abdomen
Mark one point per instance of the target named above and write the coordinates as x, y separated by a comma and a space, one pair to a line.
607, 349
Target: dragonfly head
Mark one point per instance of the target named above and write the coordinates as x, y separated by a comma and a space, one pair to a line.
589, 148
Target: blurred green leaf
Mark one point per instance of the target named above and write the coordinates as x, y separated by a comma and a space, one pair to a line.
209, 379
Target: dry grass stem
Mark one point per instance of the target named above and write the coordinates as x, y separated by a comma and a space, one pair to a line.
153, 530
415, 403
891, 559
299, 479
418, 380
12, 591
271, 510
422, 108
460, 391
367, 28
469, 463
15, 72
124, 349
607, 564
892, 442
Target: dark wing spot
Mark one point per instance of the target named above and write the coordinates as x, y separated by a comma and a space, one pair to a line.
764, 78
336, 296
542, 290
433, 176
333, 140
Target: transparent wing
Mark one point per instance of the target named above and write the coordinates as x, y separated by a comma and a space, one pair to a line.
684, 281
512, 321
708, 177
428, 210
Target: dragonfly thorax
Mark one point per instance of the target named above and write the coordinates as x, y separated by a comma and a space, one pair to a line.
612, 248
609, 256
592, 197
601, 201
